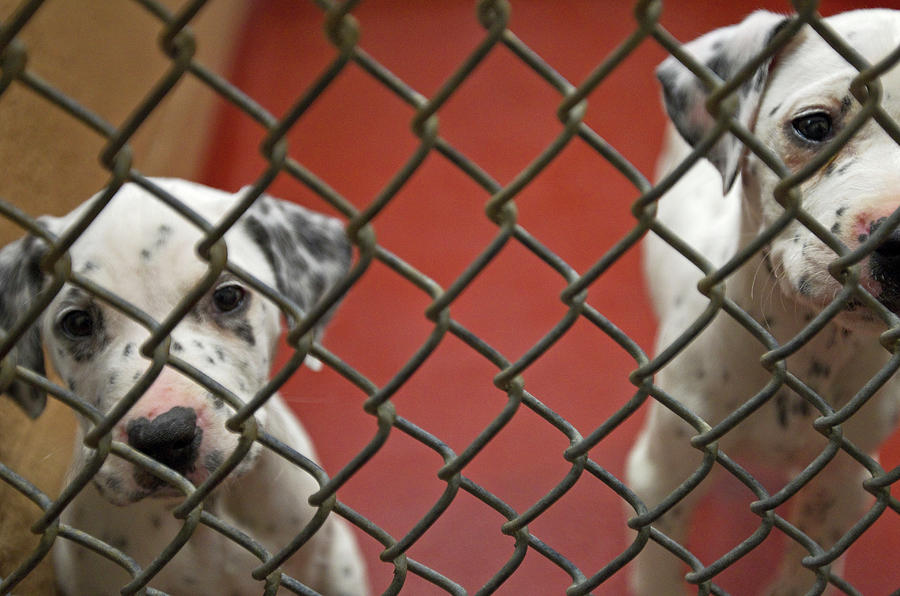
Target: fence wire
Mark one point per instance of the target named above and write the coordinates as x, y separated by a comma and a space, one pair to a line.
343, 32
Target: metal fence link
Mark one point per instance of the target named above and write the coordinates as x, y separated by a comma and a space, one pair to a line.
343, 32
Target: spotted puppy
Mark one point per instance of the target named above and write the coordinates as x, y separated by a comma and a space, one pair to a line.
145, 253
795, 103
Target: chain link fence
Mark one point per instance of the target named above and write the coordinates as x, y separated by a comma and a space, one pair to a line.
343, 31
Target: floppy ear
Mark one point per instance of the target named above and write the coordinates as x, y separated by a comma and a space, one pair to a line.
309, 252
20, 279
724, 51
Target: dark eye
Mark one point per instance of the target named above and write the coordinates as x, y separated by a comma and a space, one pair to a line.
815, 127
228, 298
77, 324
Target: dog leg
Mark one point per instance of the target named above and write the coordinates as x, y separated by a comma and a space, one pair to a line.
662, 459
824, 510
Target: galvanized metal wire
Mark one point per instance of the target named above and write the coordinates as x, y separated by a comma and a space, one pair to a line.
342, 31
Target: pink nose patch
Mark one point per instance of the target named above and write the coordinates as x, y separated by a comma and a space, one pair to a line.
168, 391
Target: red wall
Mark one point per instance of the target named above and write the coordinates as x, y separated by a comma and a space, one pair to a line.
354, 137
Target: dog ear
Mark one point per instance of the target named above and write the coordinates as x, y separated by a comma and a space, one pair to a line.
20, 279
724, 51
308, 252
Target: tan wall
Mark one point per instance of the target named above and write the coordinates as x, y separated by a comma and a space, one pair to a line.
106, 56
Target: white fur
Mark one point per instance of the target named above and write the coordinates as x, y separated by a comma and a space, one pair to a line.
719, 370
144, 252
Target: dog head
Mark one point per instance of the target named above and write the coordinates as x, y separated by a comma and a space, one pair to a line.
145, 253
796, 102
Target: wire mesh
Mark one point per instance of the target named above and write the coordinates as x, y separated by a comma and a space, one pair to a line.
342, 30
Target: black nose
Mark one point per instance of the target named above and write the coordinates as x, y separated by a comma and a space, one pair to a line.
172, 438
889, 250
885, 267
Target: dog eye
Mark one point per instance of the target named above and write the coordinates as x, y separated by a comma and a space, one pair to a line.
77, 324
228, 298
815, 127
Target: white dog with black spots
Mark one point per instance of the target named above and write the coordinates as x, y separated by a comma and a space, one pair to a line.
795, 103
144, 252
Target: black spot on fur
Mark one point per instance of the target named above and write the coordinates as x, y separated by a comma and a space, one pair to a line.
846, 102
832, 339
873, 226
245, 332
112, 483
817, 368
801, 407
318, 242
213, 460
759, 80
261, 237
818, 508
129, 349
719, 64
781, 410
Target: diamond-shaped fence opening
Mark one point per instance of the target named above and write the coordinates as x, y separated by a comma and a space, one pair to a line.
491, 361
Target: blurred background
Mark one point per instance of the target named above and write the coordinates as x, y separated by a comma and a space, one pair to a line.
355, 137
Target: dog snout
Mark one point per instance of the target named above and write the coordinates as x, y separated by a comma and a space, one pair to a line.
887, 255
884, 264
172, 438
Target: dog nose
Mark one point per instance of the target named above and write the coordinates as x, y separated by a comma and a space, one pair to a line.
888, 252
172, 438
885, 267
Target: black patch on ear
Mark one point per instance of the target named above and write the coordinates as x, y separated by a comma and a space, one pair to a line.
719, 64
724, 52
308, 251
20, 280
